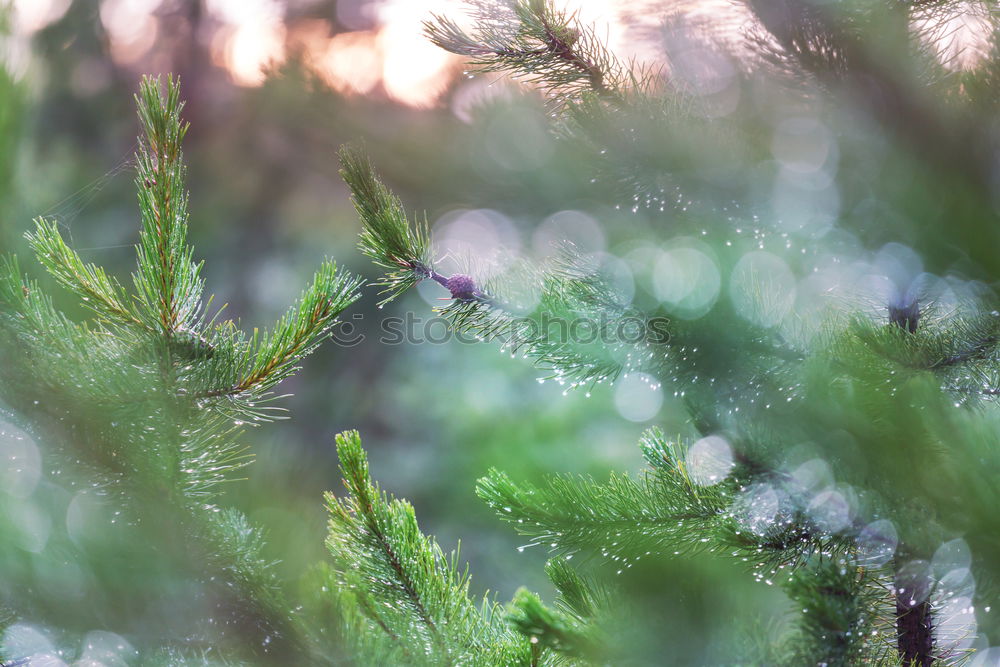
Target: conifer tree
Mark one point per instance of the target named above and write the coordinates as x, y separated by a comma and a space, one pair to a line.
121, 431
825, 283
781, 329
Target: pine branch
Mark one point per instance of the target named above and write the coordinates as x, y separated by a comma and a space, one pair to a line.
403, 582
579, 596
835, 604
928, 340
13, 99
584, 625
101, 293
552, 629
572, 293
338, 626
669, 510
28, 312
125, 400
621, 519
580, 330
299, 331
914, 618
386, 236
167, 280
210, 454
914, 626
854, 45
535, 42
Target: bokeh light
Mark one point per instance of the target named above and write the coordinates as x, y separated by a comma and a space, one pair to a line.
877, 543
22, 639
638, 397
484, 239
20, 461
829, 511
687, 279
709, 460
757, 508
762, 288
131, 26
575, 227
33, 15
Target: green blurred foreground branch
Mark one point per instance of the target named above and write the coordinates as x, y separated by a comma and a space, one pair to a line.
140, 409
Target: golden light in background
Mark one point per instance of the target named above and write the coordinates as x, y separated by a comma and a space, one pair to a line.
414, 71
33, 15
253, 39
29, 16
349, 62
605, 18
964, 39
131, 27
398, 56
417, 73
246, 50
394, 54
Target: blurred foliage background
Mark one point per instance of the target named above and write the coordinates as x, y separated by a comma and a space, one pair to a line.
273, 88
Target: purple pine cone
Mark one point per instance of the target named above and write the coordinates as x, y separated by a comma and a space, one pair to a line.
461, 286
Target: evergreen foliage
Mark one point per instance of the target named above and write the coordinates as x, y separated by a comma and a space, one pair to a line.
140, 409
842, 447
411, 593
568, 288
388, 238
887, 369
538, 43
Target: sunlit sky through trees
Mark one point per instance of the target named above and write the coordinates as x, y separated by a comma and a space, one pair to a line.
377, 46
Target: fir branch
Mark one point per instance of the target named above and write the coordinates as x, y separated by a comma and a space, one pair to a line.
402, 580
